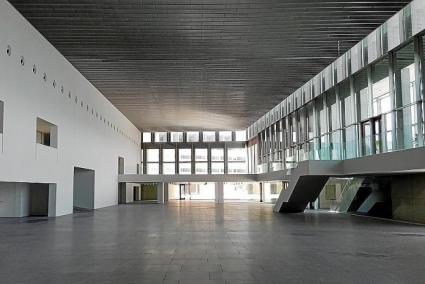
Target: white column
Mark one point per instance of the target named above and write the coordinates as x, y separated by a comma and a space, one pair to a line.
219, 192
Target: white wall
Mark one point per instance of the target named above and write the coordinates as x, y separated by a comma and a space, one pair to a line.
83, 140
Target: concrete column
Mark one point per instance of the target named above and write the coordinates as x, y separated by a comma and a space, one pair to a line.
261, 192
166, 193
219, 192
160, 192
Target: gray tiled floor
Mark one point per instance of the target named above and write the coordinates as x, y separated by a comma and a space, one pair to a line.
201, 242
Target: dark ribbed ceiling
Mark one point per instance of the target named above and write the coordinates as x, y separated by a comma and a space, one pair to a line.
202, 64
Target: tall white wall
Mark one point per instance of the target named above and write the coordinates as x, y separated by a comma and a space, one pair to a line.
83, 139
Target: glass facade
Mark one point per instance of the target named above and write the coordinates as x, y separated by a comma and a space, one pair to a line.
377, 109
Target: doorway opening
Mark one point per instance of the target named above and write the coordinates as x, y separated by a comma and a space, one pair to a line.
83, 191
145, 192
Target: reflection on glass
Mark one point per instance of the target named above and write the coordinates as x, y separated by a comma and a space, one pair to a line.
185, 155
208, 136
176, 137
217, 168
201, 168
192, 136
225, 136
160, 137
381, 100
169, 168
201, 154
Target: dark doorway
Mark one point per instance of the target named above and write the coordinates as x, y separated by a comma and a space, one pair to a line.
39, 200
84, 184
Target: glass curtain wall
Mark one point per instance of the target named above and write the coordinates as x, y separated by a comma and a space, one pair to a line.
378, 109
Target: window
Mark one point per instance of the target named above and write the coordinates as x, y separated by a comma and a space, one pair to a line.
201, 168
208, 136
47, 133
217, 161
147, 137
1, 116
176, 137
185, 155
381, 100
201, 155
160, 137
152, 166
217, 155
361, 90
192, 136
237, 161
241, 136
185, 158
217, 168
168, 159
225, 136
201, 158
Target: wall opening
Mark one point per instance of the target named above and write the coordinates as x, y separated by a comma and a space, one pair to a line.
84, 185
27, 199
46, 133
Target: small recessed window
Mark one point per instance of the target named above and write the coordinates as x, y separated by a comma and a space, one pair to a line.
47, 133
45, 77
54, 84
9, 50
69, 95
34, 69
76, 99
22, 61
62, 90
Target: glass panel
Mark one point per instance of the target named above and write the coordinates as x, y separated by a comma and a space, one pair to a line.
321, 112
241, 136
405, 76
152, 155
217, 168
152, 168
381, 100
217, 154
334, 121
388, 132
336, 145
310, 120
347, 103
185, 169
168, 155
147, 137
225, 136
201, 168
176, 137
324, 147
361, 90
160, 137
192, 136
350, 142
208, 136
185, 155
236, 154
201, 154
366, 138
169, 168
237, 168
